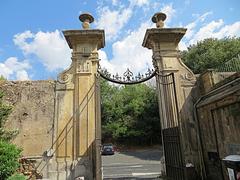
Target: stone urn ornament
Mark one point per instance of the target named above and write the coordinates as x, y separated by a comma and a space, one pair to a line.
159, 19
86, 19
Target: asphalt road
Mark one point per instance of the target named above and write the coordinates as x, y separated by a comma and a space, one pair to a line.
131, 165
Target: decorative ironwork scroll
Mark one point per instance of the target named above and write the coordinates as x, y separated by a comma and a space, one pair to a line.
128, 76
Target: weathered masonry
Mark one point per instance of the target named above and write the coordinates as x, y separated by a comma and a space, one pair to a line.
33, 114
218, 117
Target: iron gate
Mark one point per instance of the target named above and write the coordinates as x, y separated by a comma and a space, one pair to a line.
173, 155
169, 114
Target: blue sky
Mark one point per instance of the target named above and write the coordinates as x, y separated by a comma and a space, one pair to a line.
33, 47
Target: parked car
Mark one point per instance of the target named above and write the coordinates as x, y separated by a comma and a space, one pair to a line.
107, 149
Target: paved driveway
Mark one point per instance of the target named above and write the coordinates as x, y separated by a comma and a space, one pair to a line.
131, 165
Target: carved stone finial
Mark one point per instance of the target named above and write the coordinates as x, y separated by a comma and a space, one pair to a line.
159, 19
86, 19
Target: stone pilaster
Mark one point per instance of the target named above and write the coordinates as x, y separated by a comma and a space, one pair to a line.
76, 94
166, 58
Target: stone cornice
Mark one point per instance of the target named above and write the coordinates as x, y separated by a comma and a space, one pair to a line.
80, 35
163, 35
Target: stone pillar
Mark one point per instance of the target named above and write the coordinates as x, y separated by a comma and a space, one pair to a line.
166, 59
76, 122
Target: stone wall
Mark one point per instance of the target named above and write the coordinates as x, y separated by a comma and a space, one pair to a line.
32, 114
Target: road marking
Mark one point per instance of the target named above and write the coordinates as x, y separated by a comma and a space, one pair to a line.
112, 164
115, 175
145, 174
131, 164
137, 166
123, 167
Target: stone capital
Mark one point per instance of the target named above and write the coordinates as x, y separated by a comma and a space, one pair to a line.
156, 37
76, 37
164, 45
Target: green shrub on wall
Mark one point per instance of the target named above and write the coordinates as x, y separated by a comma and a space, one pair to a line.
9, 155
17, 177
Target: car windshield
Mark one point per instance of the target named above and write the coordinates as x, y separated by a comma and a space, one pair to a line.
107, 146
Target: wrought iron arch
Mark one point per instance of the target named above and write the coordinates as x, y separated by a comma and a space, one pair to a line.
128, 77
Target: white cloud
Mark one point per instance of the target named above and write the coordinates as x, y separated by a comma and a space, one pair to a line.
12, 68
128, 53
5, 71
114, 2
206, 31
229, 30
139, 2
182, 46
105, 62
22, 75
169, 11
20, 40
216, 29
191, 26
199, 30
112, 21
190, 30
155, 6
49, 47
204, 16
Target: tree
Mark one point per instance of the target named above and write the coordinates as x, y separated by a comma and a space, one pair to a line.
2, 78
5, 110
9, 153
17, 177
130, 114
210, 53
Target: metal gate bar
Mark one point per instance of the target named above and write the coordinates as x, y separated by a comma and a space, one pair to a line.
173, 155
170, 127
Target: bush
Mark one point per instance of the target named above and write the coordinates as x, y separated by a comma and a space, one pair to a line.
17, 177
9, 155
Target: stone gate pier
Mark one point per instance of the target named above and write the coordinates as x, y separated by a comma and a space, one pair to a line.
175, 84
77, 107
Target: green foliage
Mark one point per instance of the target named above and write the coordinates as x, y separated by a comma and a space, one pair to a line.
9, 155
130, 114
2, 78
210, 53
17, 177
5, 110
